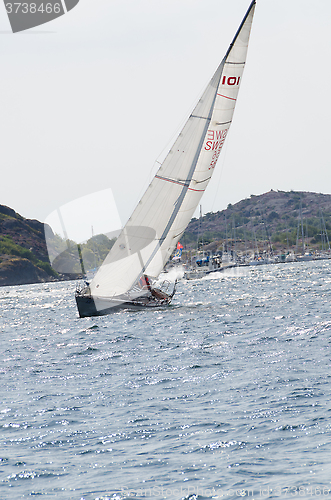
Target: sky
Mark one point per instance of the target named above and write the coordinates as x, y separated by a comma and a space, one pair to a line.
93, 99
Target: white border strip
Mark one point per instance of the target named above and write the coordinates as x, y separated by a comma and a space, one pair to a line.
64, 6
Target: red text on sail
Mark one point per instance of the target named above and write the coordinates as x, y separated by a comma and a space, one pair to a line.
215, 141
230, 80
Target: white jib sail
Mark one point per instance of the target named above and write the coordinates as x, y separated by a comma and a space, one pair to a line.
166, 208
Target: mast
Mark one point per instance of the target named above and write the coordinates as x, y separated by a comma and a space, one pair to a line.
166, 208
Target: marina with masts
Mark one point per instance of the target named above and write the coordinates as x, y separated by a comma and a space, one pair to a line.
276, 227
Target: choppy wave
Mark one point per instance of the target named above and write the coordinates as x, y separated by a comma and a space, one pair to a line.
223, 394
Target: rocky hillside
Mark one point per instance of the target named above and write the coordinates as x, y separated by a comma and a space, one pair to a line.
276, 218
23, 252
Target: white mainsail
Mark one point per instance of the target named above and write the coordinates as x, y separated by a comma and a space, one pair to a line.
162, 215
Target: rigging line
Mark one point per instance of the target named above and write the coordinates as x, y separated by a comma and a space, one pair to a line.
66, 237
179, 235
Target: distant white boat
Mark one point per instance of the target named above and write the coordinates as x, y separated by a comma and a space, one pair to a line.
290, 257
305, 257
125, 279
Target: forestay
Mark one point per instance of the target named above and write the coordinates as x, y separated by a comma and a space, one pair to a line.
166, 208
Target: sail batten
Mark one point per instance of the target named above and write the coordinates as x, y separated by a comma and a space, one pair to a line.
175, 181
201, 117
224, 123
168, 204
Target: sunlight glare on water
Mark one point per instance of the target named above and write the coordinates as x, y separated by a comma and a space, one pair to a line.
226, 393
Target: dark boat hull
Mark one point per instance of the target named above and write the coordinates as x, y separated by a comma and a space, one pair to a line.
95, 306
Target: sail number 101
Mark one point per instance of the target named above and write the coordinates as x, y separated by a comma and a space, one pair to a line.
230, 80
33, 8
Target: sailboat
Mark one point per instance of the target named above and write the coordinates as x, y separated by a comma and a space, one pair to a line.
128, 276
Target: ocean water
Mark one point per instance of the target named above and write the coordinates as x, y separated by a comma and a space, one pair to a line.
225, 394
